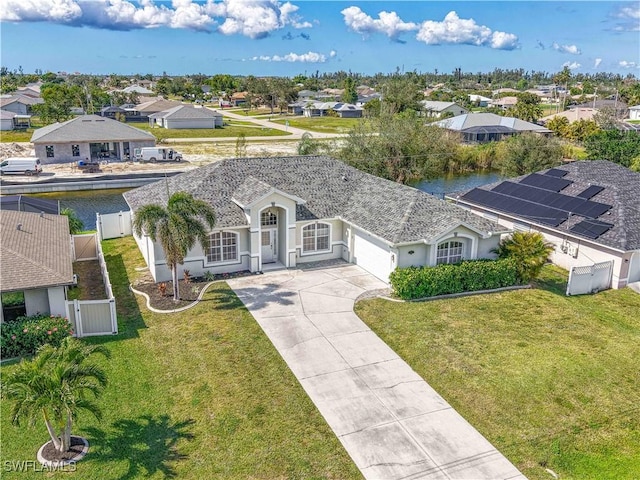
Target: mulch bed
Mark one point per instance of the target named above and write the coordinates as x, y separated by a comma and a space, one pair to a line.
50, 453
163, 300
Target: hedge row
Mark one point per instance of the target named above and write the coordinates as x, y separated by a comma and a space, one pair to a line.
23, 336
467, 276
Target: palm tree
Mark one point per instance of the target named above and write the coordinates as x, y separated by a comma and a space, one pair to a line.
176, 227
56, 384
529, 250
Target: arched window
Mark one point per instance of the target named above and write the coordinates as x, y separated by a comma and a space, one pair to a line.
449, 252
223, 247
315, 237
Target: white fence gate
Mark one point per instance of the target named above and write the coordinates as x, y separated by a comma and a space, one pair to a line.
84, 247
93, 317
590, 278
113, 225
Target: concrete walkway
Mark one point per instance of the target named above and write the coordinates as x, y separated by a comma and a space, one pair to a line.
391, 422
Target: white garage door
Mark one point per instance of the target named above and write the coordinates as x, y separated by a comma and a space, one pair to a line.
372, 255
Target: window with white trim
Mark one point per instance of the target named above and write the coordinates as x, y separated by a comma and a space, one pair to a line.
315, 237
223, 247
449, 252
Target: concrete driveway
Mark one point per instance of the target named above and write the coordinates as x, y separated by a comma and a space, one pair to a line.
391, 422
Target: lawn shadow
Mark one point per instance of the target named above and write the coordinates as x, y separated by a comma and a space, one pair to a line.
148, 444
264, 295
553, 280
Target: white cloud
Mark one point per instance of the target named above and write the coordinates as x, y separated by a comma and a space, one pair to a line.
59, 11
629, 18
597, 62
456, 30
626, 64
571, 49
387, 23
571, 65
251, 18
309, 57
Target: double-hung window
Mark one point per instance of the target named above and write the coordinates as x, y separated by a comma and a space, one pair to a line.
315, 237
223, 247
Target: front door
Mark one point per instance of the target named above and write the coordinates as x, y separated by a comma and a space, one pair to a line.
268, 243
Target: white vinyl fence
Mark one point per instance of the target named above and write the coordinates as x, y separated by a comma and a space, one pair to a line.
590, 278
93, 317
113, 225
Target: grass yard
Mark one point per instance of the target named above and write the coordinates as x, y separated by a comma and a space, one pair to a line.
195, 395
552, 381
229, 131
321, 124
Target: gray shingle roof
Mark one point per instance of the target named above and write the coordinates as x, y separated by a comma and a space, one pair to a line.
89, 128
468, 120
36, 256
621, 190
186, 112
394, 212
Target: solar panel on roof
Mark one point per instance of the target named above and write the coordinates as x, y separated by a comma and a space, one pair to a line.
560, 201
591, 228
554, 172
504, 203
590, 191
546, 182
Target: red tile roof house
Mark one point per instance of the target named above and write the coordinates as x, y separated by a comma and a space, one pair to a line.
292, 210
36, 258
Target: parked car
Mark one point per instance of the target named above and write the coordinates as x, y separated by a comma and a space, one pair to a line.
21, 166
157, 154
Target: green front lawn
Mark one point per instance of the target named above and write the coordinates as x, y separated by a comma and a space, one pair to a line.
552, 381
195, 395
228, 131
321, 124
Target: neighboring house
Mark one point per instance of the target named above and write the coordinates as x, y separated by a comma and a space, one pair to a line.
364, 99
488, 127
317, 109
479, 100
504, 103
139, 89
141, 112
6, 120
31, 90
589, 210
288, 211
620, 108
573, 115
113, 111
20, 104
186, 116
436, 109
297, 108
634, 113
238, 98
500, 91
88, 136
36, 259
348, 110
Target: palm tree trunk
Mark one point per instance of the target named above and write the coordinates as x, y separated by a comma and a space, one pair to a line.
66, 436
52, 433
176, 287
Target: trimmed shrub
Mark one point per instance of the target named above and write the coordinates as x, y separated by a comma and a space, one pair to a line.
466, 276
25, 335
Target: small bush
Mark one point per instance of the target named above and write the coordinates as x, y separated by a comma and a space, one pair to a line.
467, 276
25, 335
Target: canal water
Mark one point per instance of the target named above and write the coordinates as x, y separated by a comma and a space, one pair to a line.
87, 203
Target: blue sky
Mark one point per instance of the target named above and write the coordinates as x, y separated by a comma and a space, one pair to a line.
271, 37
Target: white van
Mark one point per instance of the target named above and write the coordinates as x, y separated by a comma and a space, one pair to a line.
21, 166
157, 154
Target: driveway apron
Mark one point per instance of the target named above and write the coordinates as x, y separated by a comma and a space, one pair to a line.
391, 422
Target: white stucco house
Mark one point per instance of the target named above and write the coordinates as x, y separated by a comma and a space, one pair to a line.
634, 112
589, 210
436, 109
292, 210
88, 136
186, 116
36, 259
